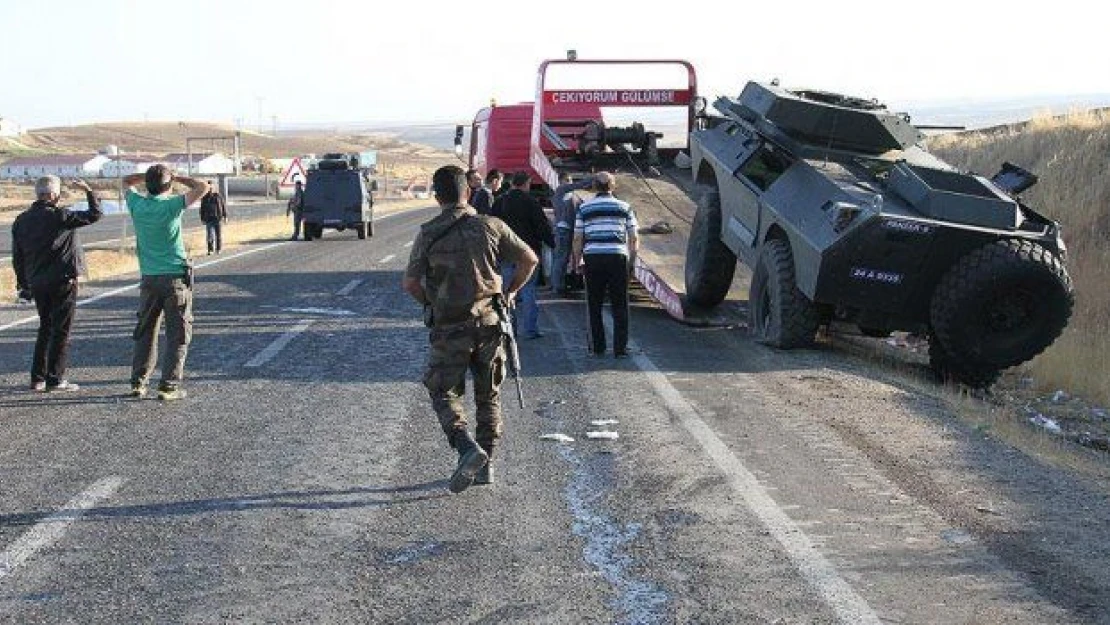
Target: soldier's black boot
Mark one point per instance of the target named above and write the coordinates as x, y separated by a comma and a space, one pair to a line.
471, 459
485, 474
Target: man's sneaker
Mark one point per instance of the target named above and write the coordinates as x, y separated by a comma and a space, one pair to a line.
138, 389
63, 386
38, 386
170, 393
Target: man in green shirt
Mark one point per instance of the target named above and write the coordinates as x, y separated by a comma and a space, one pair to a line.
166, 288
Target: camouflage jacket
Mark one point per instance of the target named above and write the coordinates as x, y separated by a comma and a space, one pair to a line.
459, 268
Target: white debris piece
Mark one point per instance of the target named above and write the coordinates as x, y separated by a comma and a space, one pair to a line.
600, 423
1059, 396
603, 434
335, 312
557, 437
1046, 423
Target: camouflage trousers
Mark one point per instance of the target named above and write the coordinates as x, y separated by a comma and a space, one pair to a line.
453, 352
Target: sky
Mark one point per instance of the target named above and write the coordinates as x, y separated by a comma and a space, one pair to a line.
324, 61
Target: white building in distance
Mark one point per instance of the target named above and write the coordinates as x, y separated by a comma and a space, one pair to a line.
203, 164
61, 165
120, 166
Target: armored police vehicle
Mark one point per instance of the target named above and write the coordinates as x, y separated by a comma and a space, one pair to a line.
842, 214
337, 196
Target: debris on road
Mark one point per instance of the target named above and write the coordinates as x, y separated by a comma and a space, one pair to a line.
557, 437
603, 434
598, 423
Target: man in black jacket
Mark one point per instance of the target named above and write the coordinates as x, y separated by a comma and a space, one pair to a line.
47, 258
525, 216
213, 212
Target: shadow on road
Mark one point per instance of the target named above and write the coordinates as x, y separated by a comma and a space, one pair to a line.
346, 499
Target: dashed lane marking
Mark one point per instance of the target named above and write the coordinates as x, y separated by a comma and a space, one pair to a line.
131, 287
347, 290
273, 349
51, 529
125, 289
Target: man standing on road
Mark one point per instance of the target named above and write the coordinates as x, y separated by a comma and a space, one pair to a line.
48, 259
213, 212
166, 287
565, 203
605, 237
525, 216
452, 271
296, 207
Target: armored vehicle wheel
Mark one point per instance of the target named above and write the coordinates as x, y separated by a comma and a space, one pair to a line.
709, 264
948, 369
360, 230
780, 315
1001, 304
369, 228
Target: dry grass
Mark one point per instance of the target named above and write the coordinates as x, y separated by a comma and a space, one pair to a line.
1069, 154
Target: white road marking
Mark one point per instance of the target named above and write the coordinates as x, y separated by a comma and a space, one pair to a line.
351, 286
388, 258
131, 287
279, 344
819, 572
49, 530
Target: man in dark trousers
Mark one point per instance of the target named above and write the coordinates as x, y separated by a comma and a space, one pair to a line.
166, 285
48, 259
213, 212
452, 271
605, 236
565, 203
296, 207
525, 216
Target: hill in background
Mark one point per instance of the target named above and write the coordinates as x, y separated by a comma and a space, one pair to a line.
1069, 154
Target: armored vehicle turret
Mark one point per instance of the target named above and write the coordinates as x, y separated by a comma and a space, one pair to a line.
842, 214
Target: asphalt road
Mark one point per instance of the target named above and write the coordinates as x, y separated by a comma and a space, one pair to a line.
113, 228
305, 478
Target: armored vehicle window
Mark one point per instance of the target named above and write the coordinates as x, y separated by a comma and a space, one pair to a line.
765, 166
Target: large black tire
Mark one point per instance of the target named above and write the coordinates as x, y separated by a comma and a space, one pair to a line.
780, 315
948, 369
709, 264
1001, 304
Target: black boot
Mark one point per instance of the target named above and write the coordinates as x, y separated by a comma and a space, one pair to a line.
471, 459
485, 474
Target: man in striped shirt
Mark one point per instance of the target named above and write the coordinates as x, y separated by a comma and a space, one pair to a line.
605, 239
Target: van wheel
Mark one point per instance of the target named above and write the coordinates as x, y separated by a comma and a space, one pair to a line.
779, 314
710, 265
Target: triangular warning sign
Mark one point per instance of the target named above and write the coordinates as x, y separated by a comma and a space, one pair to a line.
293, 174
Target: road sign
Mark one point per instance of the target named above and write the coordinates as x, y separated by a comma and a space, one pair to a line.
293, 174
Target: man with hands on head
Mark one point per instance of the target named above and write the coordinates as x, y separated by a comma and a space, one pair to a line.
166, 287
48, 259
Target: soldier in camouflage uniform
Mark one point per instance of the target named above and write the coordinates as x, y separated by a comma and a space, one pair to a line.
453, 272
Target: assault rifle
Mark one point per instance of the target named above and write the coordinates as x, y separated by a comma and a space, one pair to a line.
512, 356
